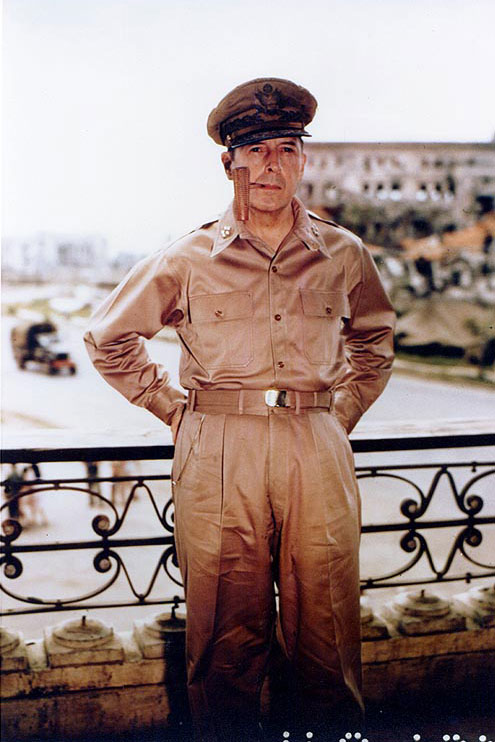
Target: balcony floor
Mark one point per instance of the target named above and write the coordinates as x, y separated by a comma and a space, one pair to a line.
435, 719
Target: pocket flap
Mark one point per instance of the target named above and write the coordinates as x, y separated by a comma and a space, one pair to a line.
325, 303
219, 307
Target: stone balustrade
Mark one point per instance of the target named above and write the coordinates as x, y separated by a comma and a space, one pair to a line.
83, 673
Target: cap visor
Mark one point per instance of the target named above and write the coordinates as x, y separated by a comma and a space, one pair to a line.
259, 136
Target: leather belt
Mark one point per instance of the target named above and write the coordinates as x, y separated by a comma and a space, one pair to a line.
257, 401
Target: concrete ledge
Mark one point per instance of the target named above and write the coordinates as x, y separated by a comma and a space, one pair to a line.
402, 667
39, 679
83, 715
43, 702
428, 645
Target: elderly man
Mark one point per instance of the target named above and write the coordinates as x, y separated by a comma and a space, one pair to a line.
286, 337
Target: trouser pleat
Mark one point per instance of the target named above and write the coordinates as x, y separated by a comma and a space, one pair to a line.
226, 555
319, 623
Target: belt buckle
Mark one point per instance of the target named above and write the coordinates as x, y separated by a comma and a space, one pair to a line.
276, 398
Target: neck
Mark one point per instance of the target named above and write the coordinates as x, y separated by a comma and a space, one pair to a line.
271, 226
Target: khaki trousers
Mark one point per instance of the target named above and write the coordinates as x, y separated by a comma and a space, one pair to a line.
262, 500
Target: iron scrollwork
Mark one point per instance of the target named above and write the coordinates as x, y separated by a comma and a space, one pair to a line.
106, 527
412, 525
108, 545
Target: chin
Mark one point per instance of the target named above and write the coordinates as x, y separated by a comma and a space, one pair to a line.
270, 203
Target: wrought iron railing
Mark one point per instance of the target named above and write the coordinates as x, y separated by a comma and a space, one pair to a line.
467, 516
451, 546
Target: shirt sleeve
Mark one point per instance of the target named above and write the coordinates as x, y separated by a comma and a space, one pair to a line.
369, 338
146, 300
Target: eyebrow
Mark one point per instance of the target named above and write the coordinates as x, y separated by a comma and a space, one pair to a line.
284, 143
280, 144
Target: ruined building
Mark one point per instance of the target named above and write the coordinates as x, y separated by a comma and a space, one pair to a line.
390, 191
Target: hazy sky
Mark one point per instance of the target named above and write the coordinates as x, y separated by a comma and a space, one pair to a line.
105, 101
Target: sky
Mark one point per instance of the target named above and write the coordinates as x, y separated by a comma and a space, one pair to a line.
105, 101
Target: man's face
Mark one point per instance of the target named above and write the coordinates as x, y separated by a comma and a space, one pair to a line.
275, 170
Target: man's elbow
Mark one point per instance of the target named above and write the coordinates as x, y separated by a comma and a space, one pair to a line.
89, 340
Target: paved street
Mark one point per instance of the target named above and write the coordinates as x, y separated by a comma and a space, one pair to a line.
85, 401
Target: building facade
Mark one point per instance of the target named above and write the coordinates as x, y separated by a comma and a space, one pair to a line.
388, 191
47, 256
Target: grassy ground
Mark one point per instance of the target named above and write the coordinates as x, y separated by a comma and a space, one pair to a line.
444, 369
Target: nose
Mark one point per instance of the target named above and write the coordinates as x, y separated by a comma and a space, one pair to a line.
273, 161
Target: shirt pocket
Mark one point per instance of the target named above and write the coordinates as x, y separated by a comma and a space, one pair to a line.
323, 313
223, 325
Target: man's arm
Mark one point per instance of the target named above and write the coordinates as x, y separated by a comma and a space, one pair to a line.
368, 339
146, 300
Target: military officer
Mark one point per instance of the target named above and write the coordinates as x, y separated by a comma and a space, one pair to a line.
286, 339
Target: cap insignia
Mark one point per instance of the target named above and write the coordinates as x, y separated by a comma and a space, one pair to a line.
273, 103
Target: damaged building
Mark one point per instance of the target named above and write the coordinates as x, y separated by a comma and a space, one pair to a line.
427, 212
387, 191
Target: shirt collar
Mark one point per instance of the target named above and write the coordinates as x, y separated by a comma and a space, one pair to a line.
306, 229
228, 229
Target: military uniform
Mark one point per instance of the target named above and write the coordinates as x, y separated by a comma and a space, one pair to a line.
263, 481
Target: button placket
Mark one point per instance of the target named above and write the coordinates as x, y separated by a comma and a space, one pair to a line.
277, 325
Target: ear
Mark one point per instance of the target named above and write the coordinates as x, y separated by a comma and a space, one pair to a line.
227, 164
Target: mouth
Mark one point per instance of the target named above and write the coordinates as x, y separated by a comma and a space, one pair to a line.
266, 186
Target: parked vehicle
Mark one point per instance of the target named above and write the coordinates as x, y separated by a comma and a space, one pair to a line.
39, 342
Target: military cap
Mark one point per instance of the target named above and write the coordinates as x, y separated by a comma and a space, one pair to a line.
265, 108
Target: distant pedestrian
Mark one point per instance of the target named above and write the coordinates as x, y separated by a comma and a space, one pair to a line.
13, 489
94, 487
32, 502
121, 490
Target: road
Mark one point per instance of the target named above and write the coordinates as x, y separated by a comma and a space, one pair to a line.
86, 402
82, 402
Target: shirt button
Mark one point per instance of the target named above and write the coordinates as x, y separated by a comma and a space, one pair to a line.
278, 317
218, 313
328, 310
280, 364
274, 269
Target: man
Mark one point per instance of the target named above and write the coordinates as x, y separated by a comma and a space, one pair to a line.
286, 338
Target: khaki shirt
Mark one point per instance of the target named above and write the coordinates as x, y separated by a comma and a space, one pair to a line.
311, 316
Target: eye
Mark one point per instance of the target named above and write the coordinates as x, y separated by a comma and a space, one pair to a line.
255, 149
289, 149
